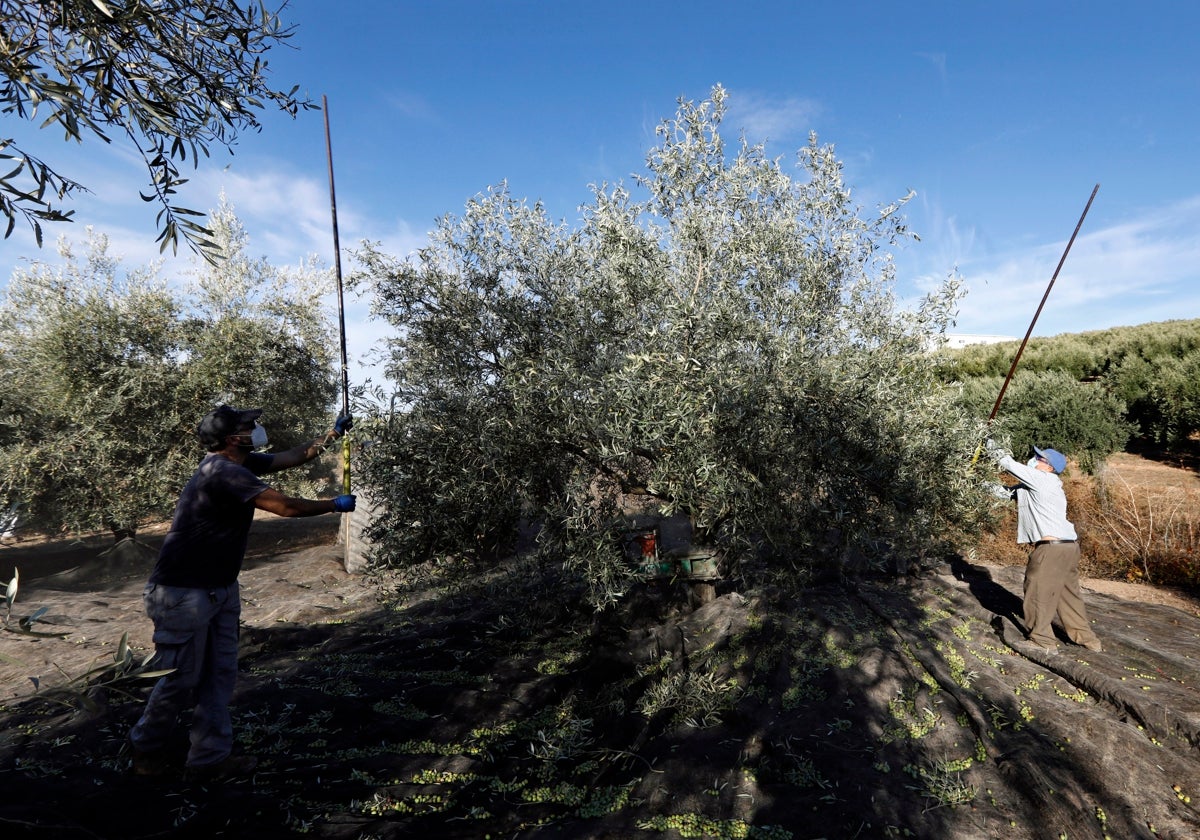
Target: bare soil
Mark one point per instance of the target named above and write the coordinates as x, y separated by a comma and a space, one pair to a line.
1144, 593
469, 704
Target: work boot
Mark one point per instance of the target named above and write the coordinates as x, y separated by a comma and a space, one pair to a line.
1093, 645
230, 767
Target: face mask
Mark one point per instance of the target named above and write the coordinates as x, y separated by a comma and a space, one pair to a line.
1031, 463
258, 438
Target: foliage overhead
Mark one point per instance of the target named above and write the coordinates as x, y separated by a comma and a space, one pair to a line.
176, 77
105, 375
727, 347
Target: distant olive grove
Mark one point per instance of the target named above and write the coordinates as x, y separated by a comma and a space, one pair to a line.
1090, 393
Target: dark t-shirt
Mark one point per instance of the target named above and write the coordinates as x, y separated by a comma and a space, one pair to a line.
207, 541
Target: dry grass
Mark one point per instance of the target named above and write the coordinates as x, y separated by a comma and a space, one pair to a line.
1141, 530
1181, 472
1138, 520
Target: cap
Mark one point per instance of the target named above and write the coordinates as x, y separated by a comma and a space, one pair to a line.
224, 420
1057, 460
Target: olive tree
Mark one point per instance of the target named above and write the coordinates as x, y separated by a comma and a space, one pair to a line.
87, 356
175, 77
104, 374
1052, 409
260, 334
726, 345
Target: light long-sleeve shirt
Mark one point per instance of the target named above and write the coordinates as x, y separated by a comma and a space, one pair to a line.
1041, 503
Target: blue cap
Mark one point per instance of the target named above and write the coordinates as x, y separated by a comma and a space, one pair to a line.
1057, 460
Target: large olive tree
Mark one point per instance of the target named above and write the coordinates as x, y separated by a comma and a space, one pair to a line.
104, 374
174, 78
725, 345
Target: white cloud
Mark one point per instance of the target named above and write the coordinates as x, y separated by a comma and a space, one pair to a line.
945, 241
287, 217
765, 119
1140, 270
411, 106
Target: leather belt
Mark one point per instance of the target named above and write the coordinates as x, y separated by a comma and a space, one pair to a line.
1051, 542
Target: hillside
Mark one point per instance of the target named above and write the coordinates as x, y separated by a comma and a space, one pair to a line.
475, 707
1125, 389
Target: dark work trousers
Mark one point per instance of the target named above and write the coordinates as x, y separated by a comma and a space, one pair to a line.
196, 633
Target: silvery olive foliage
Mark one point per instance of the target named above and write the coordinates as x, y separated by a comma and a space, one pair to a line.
104, 373
172, 78
721, 340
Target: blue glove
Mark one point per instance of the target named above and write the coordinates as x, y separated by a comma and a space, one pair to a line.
343, 504
343, 424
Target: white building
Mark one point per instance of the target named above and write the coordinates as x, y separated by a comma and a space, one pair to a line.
955, 341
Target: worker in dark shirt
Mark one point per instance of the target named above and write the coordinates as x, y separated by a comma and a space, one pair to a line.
192, 595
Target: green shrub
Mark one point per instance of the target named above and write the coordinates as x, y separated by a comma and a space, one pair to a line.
1051, 409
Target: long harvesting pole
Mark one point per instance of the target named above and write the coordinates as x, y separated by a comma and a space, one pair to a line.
337, 264
1017, 358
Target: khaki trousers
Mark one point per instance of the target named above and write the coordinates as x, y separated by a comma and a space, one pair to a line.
1052, 588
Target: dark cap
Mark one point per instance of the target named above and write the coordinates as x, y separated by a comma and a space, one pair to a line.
222, 421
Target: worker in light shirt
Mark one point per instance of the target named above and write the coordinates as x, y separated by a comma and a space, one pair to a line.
1052, 572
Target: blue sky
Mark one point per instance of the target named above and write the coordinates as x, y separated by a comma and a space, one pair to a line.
1001, 116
